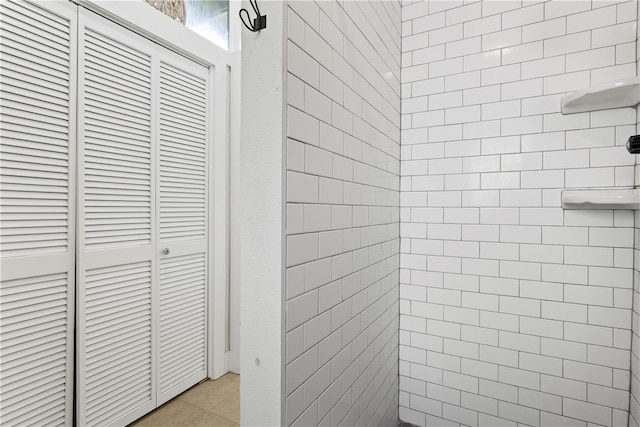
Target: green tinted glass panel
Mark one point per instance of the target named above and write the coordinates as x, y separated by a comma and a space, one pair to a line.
210, 19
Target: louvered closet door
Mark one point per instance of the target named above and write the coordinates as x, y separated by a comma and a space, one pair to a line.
143, 232
182, 208
37, 241
116, 245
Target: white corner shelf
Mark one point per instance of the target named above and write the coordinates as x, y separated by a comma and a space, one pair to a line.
614, 94
606, 198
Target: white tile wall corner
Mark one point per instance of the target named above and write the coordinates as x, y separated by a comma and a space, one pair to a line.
634, 416
513, 311
343, 166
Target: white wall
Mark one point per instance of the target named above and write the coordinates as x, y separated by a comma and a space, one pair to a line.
634, 415
343, 148
261, 222
513, 310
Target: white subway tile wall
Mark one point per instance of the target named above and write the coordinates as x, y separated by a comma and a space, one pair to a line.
343, 242
511, 309
634, 419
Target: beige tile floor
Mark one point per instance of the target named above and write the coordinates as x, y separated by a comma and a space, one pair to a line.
210, 404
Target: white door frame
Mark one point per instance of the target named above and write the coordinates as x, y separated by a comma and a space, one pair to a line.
233, 245
223, 354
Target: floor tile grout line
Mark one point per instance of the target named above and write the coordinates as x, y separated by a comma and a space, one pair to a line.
232, 394
222, 416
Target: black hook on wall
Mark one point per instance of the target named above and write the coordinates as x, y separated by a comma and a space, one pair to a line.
259, 22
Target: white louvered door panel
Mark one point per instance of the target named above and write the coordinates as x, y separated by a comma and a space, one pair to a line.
118, 341
117, 144
116, 259
37, 211
182, 221
182, 324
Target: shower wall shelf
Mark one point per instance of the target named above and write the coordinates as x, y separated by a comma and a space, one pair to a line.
614, 94
606, 198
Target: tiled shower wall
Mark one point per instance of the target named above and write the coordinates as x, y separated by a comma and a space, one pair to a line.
513, 310
634, 419
343, 166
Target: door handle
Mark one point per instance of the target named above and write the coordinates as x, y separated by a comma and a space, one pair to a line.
165, 251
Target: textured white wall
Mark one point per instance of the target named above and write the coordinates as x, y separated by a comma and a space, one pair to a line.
343, 151
513, 310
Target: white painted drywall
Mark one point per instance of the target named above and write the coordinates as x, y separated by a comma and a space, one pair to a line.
634, 404
261, 218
